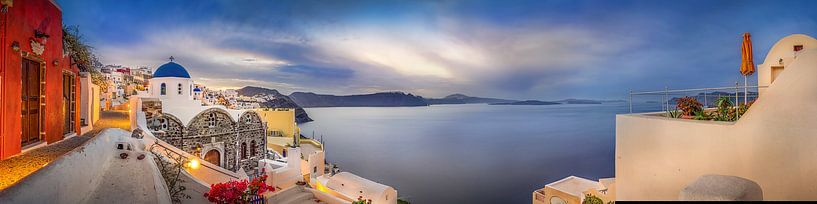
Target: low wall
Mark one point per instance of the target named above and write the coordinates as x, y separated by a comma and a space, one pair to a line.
657, 157
72, 177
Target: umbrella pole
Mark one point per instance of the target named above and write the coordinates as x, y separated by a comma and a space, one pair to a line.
745, 90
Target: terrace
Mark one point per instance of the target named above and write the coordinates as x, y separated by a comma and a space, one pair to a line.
706, 104
771, 143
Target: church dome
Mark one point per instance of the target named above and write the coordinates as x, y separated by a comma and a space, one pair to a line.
196, 89
171, 69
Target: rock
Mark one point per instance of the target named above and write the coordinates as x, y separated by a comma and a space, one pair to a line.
721, 188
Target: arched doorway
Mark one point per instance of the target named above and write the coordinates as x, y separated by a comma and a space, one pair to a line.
213, 156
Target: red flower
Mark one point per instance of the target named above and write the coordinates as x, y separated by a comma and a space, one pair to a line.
238, 191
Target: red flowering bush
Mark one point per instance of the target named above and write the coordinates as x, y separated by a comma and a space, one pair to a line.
242, 191
689, 105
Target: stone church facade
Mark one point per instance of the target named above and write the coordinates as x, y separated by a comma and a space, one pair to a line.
214, 136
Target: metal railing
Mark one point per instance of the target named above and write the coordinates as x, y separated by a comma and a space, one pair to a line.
734, 93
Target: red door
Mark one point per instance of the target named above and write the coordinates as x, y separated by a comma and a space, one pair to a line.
30, 102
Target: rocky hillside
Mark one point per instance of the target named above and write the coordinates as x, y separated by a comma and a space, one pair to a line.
385, 99
279, 101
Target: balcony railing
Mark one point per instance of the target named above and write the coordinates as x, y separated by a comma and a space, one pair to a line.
707, 96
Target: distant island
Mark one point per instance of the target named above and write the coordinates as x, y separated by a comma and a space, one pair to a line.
527, 102
300, 100
579, 101
384, 99
463, 99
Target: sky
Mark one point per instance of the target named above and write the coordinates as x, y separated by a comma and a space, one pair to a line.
536, 49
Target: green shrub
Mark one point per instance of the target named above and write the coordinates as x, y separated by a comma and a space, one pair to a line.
591, 199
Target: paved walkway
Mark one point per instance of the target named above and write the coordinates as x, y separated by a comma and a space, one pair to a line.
15, 168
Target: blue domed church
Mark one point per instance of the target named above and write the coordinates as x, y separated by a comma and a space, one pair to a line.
171, 81
225, 138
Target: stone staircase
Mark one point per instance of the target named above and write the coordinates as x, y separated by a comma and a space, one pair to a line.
294, 195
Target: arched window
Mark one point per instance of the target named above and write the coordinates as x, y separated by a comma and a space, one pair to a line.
164, 89
243, 150
211, 119
252, 148
164, 123
180, 89
191, 89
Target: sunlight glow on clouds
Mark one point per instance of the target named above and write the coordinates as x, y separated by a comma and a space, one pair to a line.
523, 50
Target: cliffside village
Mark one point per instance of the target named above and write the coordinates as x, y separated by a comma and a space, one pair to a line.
109, 134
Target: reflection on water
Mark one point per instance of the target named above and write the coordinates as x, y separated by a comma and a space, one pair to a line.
469, 153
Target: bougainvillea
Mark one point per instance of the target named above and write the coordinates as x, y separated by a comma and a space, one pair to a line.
238, 191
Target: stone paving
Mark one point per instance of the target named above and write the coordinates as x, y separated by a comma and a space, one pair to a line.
17, 167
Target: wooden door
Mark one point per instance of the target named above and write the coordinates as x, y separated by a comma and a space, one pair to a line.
30, 102
213, 157
68, 102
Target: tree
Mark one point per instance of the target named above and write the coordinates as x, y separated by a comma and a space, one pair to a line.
82, 55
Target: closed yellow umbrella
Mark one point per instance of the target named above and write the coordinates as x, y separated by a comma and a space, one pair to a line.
747, 64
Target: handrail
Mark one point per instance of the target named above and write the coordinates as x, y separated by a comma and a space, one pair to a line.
171, 150
666, 93
691, 90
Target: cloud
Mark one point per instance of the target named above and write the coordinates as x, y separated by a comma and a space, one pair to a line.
541, 49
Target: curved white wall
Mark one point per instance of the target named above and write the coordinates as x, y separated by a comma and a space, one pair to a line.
172, 88
781, 55
773, 144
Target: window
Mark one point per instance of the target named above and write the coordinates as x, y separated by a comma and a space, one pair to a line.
191, 89
243, 150
798, 48
164, 123
164, 89
211, 119
557, 200
252, 148
180, 89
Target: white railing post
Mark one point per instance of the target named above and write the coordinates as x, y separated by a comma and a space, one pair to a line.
737, 100
630, 101
666, 98
705, 104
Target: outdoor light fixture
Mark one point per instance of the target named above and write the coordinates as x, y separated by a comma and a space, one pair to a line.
15, 46
40, 34
193, 164
56, 63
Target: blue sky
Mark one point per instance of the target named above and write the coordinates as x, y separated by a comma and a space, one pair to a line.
513, 49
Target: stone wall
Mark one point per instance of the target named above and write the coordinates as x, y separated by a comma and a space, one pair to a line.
214, 129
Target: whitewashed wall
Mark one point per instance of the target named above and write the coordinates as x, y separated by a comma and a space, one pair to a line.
773, 144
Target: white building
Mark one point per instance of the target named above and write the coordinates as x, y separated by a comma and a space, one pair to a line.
171, 82
772, 144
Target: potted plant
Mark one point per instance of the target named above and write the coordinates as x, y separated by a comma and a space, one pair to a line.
688, 106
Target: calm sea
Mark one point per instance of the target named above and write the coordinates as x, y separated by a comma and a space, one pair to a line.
473, 153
